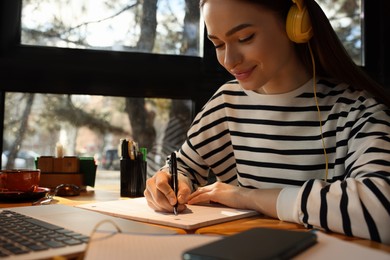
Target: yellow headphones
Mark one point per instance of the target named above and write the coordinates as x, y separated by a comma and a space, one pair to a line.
298, 23
299, 30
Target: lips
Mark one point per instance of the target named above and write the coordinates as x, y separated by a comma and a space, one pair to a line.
243, 75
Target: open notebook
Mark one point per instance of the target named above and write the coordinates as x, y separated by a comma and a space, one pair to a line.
195, 216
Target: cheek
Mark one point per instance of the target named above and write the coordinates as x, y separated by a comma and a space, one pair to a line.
261, 50
266, 53
276, 47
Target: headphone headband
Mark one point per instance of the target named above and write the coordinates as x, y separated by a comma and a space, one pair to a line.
299, 3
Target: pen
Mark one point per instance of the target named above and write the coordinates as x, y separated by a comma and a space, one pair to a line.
131, 149
124, 150
174, 180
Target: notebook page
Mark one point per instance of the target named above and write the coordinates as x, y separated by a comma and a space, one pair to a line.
195, 216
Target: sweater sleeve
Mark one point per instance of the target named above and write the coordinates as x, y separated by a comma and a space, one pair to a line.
207, 133
357, 205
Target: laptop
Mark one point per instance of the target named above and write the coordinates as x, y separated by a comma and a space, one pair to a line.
80, 223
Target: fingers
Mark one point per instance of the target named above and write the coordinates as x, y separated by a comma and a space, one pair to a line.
157, 189
160, 195
165, 189
151, 202
201, 195
221, 193
184, 191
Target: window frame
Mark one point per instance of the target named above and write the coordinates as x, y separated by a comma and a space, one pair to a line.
376, 29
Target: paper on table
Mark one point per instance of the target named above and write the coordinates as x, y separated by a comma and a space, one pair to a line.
329, 247
140, 246
195, 216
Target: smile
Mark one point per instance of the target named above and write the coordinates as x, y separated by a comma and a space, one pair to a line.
243, 75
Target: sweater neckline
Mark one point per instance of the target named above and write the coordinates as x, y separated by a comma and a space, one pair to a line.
306, 87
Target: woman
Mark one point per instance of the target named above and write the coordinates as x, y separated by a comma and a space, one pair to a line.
300, 139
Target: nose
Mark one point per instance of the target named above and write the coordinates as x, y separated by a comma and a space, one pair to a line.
232, 58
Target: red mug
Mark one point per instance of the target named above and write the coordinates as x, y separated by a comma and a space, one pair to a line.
20, 180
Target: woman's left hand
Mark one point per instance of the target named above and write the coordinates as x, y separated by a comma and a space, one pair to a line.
219, 192
261, 200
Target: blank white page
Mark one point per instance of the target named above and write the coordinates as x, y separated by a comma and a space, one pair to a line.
195, 216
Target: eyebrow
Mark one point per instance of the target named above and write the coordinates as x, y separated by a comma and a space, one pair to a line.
232, 31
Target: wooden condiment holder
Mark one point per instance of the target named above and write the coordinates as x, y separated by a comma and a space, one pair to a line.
59, 170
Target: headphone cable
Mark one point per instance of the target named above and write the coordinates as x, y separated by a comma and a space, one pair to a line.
319, 111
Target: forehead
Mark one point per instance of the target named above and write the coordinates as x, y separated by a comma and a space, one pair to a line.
222, 15
225, 8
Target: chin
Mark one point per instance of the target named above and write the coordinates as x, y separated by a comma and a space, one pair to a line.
248, 86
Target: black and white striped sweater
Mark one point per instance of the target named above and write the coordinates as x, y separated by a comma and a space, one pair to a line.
274, 141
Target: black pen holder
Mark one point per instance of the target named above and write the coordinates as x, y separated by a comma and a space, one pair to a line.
133, 177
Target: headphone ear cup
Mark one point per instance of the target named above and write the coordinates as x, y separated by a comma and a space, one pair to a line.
298, 25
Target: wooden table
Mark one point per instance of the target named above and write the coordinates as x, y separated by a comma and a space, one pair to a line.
228, 228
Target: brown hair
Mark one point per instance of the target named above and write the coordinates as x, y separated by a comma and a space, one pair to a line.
332, 60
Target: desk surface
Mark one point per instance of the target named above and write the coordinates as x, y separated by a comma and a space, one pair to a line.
108, 193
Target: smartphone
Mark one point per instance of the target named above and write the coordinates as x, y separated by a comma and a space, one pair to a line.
257, 243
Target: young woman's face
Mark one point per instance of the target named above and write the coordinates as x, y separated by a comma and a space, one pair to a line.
252, 44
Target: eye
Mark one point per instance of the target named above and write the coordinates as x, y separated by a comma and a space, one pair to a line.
218, 46
217, 43
246, 39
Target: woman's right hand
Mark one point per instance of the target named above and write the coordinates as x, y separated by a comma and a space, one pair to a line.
160, 195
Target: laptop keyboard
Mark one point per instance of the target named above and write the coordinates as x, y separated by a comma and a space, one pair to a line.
20, 234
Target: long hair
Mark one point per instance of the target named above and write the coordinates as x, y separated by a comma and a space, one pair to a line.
332, 59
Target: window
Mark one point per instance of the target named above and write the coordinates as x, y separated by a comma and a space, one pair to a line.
91, 125
346, 17
165, 26
168, 27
